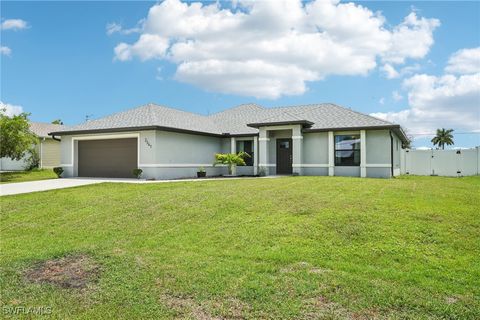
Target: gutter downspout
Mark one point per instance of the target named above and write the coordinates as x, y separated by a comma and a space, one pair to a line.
56, 139
391, 153
41, 153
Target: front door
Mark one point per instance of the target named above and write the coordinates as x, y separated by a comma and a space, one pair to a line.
284, 156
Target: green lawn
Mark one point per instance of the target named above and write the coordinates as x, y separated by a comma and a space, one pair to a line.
285, 248
22, 176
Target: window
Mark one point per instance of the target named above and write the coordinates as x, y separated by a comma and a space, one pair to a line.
347, 150
246, 146
285, 145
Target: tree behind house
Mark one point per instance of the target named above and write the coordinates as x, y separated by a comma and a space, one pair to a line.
16, 139
443, 137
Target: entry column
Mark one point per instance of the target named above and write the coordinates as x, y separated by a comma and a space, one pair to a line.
363, 154
331, 154
297, 151
233, 145
263, 150
255, 155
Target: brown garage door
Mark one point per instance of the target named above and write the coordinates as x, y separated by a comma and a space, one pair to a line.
110, 158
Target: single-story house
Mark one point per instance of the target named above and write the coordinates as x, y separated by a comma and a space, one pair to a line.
48, 149
317, 139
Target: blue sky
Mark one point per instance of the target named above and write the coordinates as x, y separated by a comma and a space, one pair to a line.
62, 64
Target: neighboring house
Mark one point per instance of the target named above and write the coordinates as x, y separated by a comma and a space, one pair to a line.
317, 139
48, 149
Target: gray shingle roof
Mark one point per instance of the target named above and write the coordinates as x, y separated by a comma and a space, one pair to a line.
42, 129
232, 121
150, 115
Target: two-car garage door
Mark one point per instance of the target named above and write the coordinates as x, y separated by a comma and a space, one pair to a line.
109, 158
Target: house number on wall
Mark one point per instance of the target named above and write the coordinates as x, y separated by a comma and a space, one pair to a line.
148, 143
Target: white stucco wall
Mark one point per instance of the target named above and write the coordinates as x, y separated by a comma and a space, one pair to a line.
168, 155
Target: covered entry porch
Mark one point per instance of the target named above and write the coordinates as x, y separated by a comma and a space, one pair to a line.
280, 147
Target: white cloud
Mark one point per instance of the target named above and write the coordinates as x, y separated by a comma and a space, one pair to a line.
408, 70
382, 100
396, 96
6, 51
114, 27
464, 61
411, 39
13, 24
254, 78
448, 101
220, 49
10, 109
149, 46
390, 71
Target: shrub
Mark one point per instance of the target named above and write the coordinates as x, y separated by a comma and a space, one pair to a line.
33, 160
137, 173
58, 171
231, 160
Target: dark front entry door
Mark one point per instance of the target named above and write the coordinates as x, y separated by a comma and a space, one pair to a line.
284, 156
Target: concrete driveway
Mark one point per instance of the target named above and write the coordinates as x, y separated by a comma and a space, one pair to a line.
43, 185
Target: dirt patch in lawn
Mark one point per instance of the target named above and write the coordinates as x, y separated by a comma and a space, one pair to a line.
187, 307
322, 308
75, 271
303, 266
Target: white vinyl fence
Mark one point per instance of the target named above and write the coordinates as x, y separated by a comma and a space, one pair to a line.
7, 164
451, 163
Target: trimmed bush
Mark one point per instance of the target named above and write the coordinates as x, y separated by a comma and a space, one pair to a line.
58, 171
137, 173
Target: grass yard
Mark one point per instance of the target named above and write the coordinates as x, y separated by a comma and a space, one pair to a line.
285, 248
22, 176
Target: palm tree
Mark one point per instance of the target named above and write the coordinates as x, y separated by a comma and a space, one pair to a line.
231, 160
443, 137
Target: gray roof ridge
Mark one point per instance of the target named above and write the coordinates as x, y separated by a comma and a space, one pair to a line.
49, 123
300, 105
238, 106
155, 105
152, 115
198, 115
292, 115
114, 114
362, 114
284, 112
